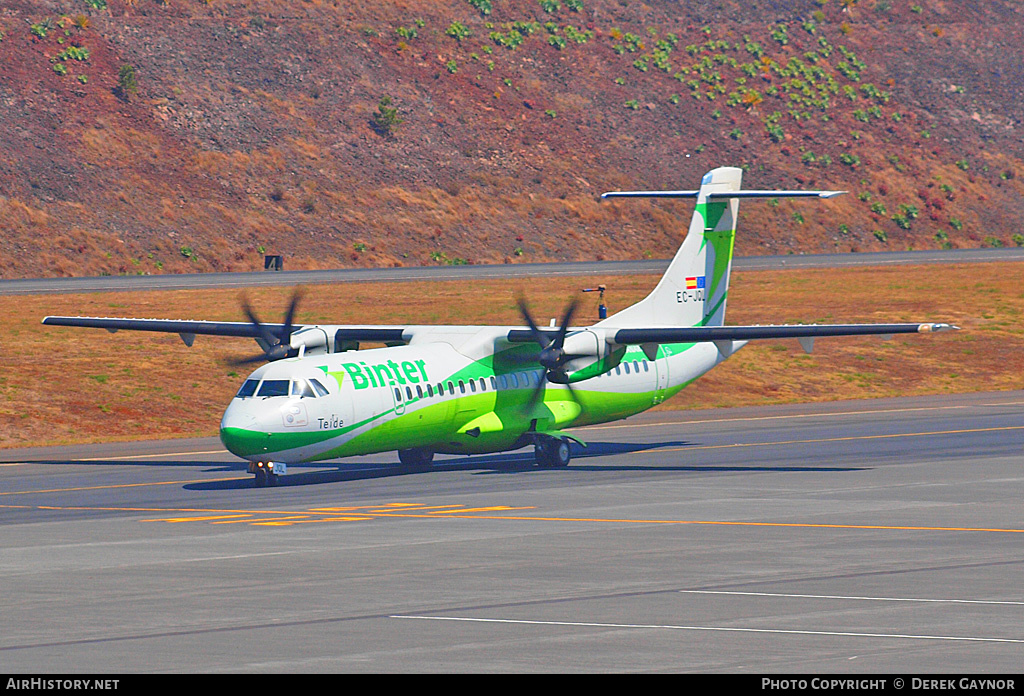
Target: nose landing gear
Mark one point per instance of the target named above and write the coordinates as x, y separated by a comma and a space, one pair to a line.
267, 473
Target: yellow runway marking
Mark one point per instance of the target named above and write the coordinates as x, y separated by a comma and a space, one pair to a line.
287, 517
205, 518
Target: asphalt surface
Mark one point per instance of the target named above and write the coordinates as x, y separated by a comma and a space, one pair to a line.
32, 286
880, 536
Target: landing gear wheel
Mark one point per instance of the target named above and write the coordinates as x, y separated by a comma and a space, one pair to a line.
416, 458
261, 477
552, 454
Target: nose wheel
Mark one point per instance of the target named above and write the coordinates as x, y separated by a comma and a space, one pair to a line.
267, 473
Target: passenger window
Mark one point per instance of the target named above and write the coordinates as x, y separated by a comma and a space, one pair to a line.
408, 392
646, 366
320, 389
419, 392
618, 369
472, 385
462, 386
274, 387
451, 388
626, 365
430, 390
636, 366
398, 394
248, 388
494, 384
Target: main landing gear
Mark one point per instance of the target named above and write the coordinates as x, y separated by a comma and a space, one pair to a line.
267, 473
552, 453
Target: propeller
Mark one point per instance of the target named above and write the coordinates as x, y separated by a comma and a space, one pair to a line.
552, 356
276, 344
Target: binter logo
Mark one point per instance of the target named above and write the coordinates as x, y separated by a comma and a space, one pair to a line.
386, 374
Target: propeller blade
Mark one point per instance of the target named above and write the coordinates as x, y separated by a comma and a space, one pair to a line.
239, 362
535, 396
551, 357
566, 320
524, 310
276, 346
286, 333
265, 333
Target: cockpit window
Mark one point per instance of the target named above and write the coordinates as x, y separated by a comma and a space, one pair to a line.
248, 388
300, 387
321, 390
274, 387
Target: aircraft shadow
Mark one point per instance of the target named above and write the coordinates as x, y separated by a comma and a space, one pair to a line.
517, 462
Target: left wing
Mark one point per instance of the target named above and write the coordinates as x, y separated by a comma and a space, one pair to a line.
189, 329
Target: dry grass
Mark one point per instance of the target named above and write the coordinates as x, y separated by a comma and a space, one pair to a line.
78, 385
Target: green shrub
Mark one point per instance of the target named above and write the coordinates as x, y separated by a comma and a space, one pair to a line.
126, 81
458, 31
386, 120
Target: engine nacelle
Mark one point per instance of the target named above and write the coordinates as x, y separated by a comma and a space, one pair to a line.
600, 355
309, 340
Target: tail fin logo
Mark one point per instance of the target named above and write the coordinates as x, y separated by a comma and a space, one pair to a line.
695, 283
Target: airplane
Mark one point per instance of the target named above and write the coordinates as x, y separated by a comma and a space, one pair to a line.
482, 389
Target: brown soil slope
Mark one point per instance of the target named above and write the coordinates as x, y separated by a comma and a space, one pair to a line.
248, 127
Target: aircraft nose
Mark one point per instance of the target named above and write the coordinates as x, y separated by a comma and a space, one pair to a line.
240, 434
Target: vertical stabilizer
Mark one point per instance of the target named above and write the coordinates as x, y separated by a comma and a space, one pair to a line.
693, 290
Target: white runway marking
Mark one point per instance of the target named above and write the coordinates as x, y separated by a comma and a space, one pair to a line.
725, 629
873, 599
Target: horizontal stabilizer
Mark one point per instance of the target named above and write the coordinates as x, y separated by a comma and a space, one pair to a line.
723, 194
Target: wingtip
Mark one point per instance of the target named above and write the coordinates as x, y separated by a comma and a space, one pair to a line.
935, 328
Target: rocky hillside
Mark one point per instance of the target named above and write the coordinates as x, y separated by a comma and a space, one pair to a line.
149, 136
